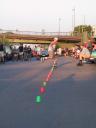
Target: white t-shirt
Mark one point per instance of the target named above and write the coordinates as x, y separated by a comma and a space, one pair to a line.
51, 47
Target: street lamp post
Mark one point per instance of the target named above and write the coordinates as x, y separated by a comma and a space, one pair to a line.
59, 25
73, 18
84, 20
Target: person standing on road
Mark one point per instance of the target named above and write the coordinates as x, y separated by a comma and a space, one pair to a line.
25, 52
52, 47
29, 53
2, 53
21, 52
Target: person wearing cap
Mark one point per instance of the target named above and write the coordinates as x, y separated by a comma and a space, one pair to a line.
51, 48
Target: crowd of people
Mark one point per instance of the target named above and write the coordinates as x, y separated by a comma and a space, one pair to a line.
22, 53
25, 53
85, 51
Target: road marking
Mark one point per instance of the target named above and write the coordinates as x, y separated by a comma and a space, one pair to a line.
42, 89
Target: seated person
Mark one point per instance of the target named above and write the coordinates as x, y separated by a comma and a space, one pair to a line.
94, 47
84, 54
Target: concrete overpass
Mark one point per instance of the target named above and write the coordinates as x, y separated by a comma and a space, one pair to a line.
29, 37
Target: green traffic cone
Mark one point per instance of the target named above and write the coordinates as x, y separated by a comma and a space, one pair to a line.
38, 99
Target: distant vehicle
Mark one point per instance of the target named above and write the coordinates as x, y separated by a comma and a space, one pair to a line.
44, 53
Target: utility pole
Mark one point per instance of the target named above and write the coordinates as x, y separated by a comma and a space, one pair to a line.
83, 30
84, 20
73, 17
73, 21
72, 24
59, 20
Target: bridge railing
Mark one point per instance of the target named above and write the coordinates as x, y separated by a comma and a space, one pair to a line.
39, 33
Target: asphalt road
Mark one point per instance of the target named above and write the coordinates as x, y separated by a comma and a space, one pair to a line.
68, 102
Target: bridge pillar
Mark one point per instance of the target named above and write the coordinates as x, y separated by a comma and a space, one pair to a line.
84, 37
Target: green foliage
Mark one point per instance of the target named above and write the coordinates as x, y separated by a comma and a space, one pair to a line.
67, 45
57, 46
4, 40
83, 28
0, 40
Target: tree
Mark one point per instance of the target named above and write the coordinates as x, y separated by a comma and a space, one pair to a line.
83, 28
4, 40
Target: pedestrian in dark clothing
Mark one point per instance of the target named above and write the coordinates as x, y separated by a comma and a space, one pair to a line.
29, 50
25, 51
21, 52
2, 53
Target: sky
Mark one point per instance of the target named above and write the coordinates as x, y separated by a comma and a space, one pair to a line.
50, 15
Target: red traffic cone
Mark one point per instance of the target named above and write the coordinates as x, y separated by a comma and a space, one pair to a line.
42, 89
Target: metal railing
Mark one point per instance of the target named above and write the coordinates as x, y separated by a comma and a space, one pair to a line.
36, 33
